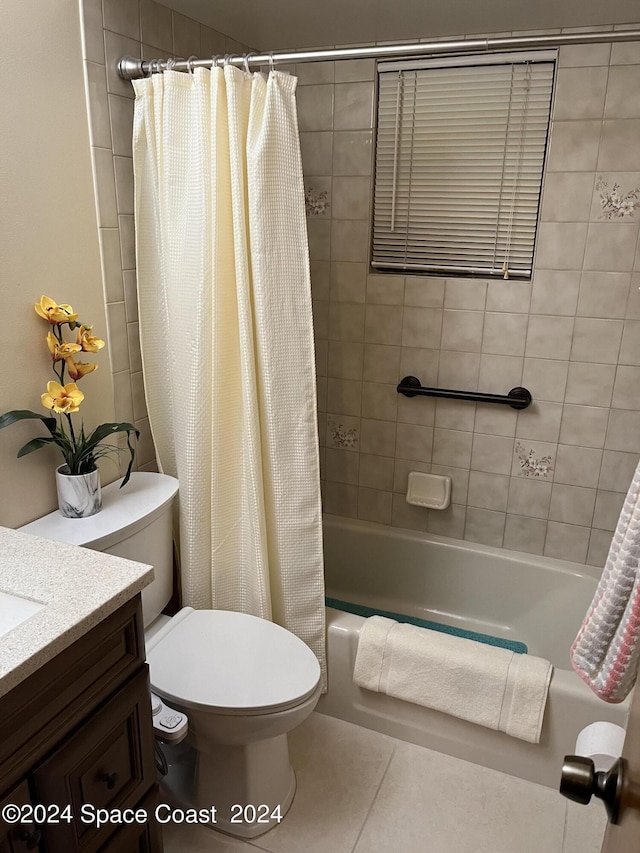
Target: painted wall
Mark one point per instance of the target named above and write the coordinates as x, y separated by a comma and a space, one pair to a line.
49, 241
550, 479
112, 29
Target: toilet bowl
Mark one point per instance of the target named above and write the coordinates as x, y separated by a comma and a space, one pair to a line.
243, 682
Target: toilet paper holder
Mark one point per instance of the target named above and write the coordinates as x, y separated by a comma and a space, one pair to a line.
580, 781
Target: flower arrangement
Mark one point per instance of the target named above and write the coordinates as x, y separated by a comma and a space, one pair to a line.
63, 398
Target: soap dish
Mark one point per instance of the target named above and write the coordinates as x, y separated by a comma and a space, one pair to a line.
429, 490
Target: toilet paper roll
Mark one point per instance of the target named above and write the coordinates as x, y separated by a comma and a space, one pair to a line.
602, 743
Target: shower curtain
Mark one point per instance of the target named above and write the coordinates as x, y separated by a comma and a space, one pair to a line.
227, 340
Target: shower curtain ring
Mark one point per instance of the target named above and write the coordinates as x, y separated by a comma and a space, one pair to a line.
190, 61
227, 59
214, 60
245, 60
272, 65
170, 63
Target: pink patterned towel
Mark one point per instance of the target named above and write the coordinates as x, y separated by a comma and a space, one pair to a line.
606, 651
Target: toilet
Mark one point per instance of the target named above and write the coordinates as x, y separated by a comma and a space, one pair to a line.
242, 681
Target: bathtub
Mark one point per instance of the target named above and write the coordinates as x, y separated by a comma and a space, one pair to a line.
537, 600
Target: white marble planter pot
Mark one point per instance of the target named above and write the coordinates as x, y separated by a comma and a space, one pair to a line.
79, 495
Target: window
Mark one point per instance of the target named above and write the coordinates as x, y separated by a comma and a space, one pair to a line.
459, 156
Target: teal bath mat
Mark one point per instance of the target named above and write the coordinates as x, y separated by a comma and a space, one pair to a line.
361, 610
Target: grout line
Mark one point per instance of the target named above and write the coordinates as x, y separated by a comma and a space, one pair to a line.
375, 796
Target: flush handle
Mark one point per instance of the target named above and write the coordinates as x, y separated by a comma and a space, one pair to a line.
580, 782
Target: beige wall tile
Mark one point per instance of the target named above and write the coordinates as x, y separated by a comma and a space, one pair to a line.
623, 92
578, 466
572, 504
383, 324
580, 93
374, 505
546, 379
348, 282
555, 292
611, 246
540, 421
422, 328
353, 106
385, 289
448, 522
484, 526
574, 146
590, 384
566, 542
405, 515
599, 544
618, 151
617, 470
567, 197
488, 491
316, 150
122, 16
424, 292
603, 294
352, 152
529, 497
349, 240
379, 401
596, 340
414, 442
345, 360
155, 24
376, 472
584, 425
315, 107
458, 370
525, 534
452, 447
381, 363
607, 509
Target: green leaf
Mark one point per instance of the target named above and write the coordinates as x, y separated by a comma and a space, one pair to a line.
24, 414
104, 431
36, 444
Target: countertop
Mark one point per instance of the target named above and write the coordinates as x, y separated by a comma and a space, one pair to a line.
79, 587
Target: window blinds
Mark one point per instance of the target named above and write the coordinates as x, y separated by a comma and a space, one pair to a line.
459, 158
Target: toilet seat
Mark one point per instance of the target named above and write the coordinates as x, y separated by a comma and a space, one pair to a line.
231, 664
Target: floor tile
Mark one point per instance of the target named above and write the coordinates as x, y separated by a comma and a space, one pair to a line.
584, 828
339, 767
436, 803
179, 838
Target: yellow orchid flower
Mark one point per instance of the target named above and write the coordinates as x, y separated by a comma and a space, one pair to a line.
54, 313
87, 341
63, 399
78, 369
60, 350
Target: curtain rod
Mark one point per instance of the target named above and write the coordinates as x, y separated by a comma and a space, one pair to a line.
132, 68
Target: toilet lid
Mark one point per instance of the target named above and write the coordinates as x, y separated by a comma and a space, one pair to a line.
233, 663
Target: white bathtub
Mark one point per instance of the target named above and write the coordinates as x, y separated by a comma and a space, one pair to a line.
536, 600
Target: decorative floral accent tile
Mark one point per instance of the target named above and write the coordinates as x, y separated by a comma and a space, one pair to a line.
341, 436
316, 201
616, 203
531, 465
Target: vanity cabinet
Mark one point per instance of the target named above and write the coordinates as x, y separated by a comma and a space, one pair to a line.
78, 737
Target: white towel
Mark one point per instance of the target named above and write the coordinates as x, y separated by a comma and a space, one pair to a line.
483, 684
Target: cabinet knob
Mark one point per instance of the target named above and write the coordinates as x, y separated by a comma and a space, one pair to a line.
31, 839
580, 782
110, 780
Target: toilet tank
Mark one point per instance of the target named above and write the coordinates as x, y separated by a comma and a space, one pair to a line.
135, 523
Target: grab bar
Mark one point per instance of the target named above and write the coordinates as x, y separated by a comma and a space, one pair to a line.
517, 398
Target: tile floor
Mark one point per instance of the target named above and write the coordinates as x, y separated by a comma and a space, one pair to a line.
363, 792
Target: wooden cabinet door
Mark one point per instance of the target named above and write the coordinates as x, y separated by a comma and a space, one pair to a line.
108, 763
23, 836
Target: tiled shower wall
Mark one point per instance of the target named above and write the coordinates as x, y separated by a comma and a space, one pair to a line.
113, 28
548, 480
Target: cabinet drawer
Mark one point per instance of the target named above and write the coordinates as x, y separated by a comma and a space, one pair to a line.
18, 837
49, 704
107, 764
138, 838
